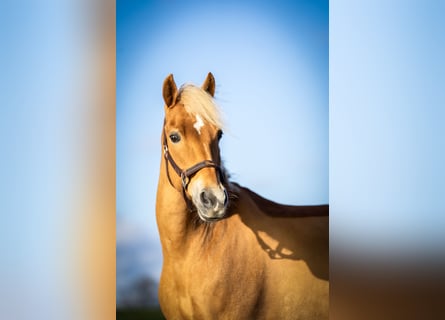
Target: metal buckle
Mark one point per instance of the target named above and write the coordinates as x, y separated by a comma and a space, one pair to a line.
185, 180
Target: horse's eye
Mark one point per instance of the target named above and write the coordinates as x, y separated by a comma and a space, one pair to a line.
219, 134
175, 137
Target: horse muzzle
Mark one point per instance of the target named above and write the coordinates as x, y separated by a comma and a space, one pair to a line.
211, 203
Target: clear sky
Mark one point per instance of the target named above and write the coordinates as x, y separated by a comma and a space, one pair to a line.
270, 62
386, 116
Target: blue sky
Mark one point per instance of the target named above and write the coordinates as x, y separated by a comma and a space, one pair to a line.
386, 110
270, 61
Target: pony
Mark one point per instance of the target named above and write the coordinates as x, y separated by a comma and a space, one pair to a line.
229, 253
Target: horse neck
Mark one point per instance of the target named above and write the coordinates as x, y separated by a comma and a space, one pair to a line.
172, 214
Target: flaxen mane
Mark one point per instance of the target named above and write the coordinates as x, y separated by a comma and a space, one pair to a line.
198, 102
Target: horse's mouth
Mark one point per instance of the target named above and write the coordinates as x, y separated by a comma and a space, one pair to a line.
211, 218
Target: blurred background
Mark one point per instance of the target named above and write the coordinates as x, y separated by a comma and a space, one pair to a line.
270, 62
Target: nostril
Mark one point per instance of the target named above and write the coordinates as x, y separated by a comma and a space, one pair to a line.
208, 199
204, 198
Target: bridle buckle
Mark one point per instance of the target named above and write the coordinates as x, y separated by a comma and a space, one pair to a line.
185, 180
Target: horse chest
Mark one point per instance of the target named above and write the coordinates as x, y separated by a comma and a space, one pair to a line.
213, 285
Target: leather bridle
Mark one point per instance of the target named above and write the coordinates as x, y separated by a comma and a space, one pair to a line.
187, 174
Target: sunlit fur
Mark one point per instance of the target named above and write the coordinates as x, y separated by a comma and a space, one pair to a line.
262, 260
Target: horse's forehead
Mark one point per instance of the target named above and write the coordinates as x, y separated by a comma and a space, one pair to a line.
199, 123
179, 117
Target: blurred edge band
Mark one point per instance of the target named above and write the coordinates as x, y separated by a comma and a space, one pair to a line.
57, 116
80, 239
97, 248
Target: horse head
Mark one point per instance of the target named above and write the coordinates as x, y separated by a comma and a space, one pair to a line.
192, 130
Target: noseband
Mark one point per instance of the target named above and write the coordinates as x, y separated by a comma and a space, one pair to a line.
187, 174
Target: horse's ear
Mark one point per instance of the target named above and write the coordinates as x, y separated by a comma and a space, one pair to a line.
169, 90
209, 84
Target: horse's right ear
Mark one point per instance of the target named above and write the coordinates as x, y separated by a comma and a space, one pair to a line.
169, 90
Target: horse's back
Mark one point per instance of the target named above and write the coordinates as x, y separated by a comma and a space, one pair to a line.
277, 210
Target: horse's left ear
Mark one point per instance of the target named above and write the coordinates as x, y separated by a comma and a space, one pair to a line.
209, 84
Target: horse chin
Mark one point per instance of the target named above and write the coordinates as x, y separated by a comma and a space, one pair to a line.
210, 218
